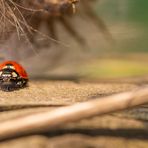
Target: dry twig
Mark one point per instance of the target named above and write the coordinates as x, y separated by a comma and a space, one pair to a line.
52, 119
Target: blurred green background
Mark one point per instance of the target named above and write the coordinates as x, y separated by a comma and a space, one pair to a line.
127, 21
133, 13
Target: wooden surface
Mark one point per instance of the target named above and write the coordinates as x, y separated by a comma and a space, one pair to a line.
122, 129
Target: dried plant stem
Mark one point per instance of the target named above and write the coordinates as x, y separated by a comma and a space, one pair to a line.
52, 119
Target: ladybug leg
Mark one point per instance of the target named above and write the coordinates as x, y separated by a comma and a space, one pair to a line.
8, 86
12, 85
21, 83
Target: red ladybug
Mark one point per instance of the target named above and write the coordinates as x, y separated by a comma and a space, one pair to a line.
12, 76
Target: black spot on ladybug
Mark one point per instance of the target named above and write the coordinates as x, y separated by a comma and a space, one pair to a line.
12, 76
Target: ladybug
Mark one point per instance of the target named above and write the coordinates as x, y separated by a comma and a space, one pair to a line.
12, 76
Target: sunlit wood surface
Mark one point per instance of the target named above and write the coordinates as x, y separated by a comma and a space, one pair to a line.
126, 128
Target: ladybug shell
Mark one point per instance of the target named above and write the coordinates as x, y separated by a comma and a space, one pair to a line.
18, 68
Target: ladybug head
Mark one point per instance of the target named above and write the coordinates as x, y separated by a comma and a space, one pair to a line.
8, 78
8, 73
